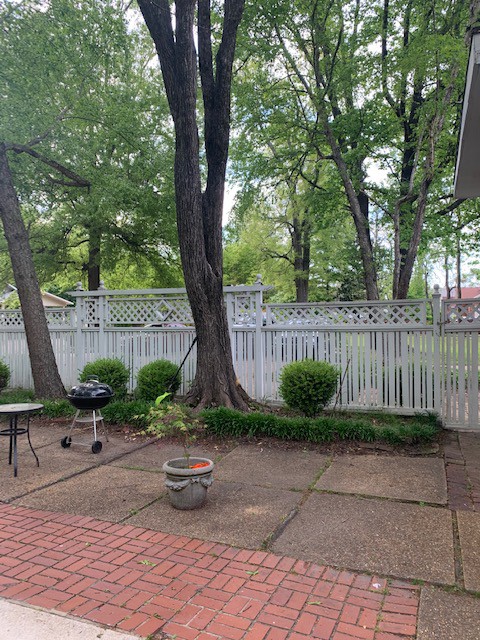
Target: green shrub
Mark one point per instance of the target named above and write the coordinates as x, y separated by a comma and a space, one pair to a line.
110, 371
156, 378
308, 385
225, 422
4, 375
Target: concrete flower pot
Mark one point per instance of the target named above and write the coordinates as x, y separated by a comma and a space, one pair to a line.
187, 487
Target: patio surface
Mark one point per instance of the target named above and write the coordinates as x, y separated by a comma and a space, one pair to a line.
291, 544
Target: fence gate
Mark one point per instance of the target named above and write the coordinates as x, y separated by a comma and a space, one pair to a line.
460, 329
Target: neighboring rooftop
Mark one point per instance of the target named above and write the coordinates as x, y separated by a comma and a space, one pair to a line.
466, 293
48, 299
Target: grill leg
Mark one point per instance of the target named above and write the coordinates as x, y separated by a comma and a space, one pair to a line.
73, 423
100, 417
94, 426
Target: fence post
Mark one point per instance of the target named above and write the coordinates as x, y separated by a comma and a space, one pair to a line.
438, 369
230, 307
102, 301
79, 318
259, 355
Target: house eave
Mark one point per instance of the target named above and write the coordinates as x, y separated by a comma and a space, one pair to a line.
467, 170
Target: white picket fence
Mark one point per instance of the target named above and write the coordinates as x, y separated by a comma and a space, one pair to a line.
404, 356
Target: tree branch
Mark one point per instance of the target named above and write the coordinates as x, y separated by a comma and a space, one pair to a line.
158, 19
451, 207
76, 180
46, 133
205, 56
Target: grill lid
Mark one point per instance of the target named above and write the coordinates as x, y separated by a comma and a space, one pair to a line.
92, 388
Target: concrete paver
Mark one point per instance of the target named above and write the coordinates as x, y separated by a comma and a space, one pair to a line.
105, 492
27, 623
403, 540
413, 479
56, 463
30, 477
254, 464
49, 436
448, 616
469, 532
40, 437
234, 514
155, 454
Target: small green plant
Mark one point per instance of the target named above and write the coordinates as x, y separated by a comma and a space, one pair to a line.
4, 375
308, 385
132, 413
12, 396
157, 377
169, 418
110, 371
224, 422
57, 408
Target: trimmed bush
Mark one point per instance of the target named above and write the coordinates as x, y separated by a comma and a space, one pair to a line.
308, 385
110, 371
4, 375
223, 422
156, 378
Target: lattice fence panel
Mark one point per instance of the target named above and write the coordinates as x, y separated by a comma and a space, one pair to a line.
91, 316
393, 314
11, 318
244, 310
59, 318
165, 311
56, 318
461, 312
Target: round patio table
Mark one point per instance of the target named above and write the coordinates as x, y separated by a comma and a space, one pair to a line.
14, 411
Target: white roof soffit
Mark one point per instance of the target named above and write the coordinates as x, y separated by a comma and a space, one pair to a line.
467, 171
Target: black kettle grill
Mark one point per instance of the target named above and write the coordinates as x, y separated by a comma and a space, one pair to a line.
91, 395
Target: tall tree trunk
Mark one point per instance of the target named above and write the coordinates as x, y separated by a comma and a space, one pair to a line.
448, 291
301, 286
93, 265
45, 374
301, 231
358, 210
199, 215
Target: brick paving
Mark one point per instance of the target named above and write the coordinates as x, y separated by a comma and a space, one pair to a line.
160, 585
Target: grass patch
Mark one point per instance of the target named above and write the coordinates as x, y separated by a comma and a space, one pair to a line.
393, 430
